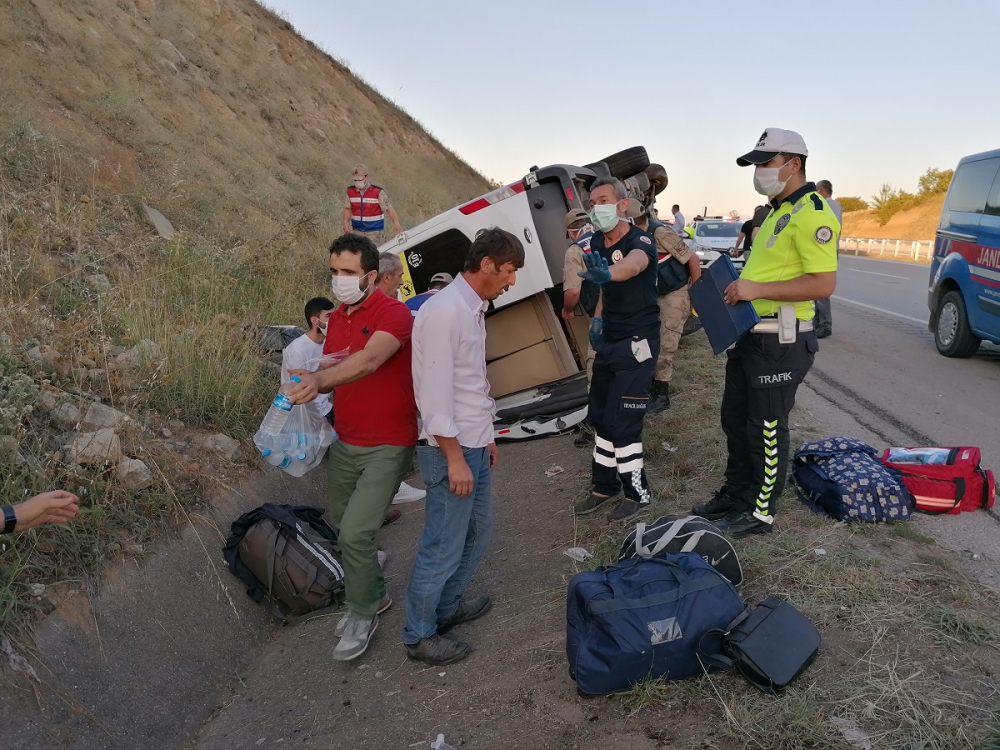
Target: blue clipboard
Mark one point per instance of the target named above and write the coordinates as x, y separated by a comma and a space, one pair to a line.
723, 323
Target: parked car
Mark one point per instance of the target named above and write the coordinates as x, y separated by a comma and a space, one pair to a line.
713, 236
964, 290
535, 360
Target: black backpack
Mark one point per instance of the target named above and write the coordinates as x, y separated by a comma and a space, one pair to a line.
666, 536
287, 555
671, 274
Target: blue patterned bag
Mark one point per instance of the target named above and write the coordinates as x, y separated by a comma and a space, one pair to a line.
844, 478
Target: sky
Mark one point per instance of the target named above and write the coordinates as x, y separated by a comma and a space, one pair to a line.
880, 90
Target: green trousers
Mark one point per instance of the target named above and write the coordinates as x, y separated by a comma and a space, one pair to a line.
362, 483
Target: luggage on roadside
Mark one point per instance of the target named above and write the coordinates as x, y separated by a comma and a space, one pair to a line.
287, 557
944, 480
770, 645
668, 535
844, 478
642, 618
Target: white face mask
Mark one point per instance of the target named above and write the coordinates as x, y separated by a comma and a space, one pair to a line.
605, 217
359, 184
322, 329
767, 180
348, 289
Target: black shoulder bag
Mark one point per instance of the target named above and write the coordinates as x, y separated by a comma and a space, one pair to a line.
770, 645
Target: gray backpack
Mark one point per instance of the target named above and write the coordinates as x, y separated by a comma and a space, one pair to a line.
288, 556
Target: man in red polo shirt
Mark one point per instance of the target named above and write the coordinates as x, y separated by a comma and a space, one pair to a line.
375, 414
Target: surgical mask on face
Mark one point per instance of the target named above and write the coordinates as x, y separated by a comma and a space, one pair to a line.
348, 289
605, 217
359, 184
322, 329
766, 181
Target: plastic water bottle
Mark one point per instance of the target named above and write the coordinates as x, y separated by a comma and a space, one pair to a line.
280, 407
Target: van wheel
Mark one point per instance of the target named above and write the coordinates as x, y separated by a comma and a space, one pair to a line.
657, 178
626, 163
952, 335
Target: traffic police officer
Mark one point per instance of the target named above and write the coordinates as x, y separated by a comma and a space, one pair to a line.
625, 334
677, 268
794, 260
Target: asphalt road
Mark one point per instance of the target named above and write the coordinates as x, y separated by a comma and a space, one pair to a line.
881, 367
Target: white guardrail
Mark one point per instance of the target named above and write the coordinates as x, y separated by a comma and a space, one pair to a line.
919, 251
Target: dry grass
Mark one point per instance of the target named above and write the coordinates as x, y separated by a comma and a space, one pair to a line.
910, 652
918, 223
243, 135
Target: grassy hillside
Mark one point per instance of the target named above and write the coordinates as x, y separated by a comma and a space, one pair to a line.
917, 223
218, 114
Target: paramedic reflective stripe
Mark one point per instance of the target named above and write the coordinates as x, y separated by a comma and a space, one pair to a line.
629, 458
366, 211
604, 452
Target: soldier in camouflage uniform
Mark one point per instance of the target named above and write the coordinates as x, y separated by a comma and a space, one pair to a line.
676, 261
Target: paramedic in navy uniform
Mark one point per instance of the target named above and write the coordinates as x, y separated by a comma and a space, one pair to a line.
625, 333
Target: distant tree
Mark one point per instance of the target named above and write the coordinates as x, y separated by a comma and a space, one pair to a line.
852, 203
891, 201
934, 182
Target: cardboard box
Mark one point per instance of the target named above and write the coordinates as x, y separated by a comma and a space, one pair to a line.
531, 367
519, 326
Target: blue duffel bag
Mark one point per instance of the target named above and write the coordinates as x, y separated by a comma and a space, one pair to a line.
642, 618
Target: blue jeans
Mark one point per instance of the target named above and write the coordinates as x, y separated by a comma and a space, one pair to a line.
456, 533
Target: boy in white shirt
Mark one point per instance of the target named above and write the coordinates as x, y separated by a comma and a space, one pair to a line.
306, 351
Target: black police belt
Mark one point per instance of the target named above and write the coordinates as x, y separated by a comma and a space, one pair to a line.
770, 325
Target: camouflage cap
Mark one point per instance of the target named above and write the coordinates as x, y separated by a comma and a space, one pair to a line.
360, 170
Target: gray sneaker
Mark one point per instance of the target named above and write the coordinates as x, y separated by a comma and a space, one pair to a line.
357, 636
342, 625
438, 650
591, 503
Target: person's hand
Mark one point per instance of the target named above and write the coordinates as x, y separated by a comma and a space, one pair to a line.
305, 391
597, 271
397, 228
596, 330
460, 477
48, 507
742, 290
494, 455
568, 314
346, 228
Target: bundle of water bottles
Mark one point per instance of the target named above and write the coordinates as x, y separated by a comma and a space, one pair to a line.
293, 437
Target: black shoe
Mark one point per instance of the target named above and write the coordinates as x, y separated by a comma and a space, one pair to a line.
824, 333
591, 503
468, 610
659, 398
739, 525
438, 650
721, 505
626, 509
586, 437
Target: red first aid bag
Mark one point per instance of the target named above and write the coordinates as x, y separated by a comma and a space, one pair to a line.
943, 480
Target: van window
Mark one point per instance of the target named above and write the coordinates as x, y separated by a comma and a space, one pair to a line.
993, 202
444, 252
971, 185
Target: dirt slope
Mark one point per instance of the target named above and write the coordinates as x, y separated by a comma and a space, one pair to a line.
918, 223
215, 111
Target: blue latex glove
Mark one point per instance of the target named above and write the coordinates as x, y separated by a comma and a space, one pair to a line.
596, 330
597, 268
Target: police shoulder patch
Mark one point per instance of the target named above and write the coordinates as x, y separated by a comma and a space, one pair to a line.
782, 223
646, 239
824, 235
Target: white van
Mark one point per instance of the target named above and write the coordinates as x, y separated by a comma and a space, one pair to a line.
535, 359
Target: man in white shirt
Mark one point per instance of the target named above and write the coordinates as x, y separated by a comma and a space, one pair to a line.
678, 219
456, 451
306, 351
